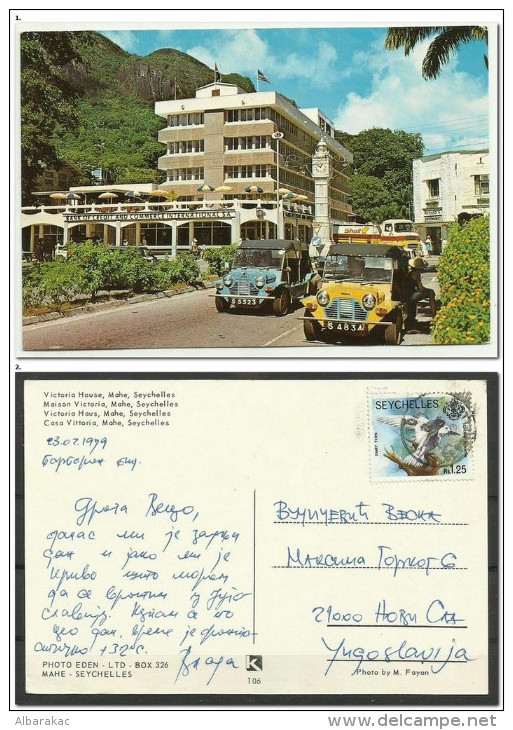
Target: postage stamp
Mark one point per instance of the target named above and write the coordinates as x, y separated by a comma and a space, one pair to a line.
426, 435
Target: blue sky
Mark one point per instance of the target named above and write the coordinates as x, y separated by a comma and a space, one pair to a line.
347, 72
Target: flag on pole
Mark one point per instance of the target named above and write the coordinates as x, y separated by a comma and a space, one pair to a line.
262, 77
217, 75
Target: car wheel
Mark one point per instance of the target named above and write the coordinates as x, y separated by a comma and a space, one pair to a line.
393, 333
222, 305
311, 329
281, 304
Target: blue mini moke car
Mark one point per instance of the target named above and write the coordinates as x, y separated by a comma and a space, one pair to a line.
270, 272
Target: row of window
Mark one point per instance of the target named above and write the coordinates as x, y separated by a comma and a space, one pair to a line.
246, 143
182, 174
235, 144
285, 124
481, 186
339, 196
185, 146
247, 171
185, 120
246, 114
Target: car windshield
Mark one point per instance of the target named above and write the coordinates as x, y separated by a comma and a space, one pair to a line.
257, 258
365, 269
404, 227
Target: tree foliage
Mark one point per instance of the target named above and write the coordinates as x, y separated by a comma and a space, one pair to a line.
86, 101
370, 199
447, 40
383, 155
118, 133
47, 98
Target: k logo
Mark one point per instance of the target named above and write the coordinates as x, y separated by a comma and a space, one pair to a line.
254, 663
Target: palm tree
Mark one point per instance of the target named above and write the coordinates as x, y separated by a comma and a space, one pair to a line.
447, 40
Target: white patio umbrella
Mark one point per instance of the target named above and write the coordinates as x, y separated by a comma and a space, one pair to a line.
107, 195
159, 194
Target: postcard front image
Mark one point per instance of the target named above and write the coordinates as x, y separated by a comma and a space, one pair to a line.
190, 197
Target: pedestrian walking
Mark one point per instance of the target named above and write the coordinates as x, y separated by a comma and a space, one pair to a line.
429, 246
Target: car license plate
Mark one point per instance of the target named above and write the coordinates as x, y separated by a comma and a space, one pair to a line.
246, 301
345, 327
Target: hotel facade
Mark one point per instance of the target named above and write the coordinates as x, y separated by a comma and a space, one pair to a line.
237, 165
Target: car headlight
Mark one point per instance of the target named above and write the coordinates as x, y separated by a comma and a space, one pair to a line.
369, 301
260, 281
228, 280
323, 297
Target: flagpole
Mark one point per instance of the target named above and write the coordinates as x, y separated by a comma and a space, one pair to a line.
257, 81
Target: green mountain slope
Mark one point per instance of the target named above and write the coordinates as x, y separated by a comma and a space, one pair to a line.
115, 96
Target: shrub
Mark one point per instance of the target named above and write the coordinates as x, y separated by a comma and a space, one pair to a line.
114, 268
182, 269
464, 278
53, 283
217, 257
126, 268
92, 267
86, 256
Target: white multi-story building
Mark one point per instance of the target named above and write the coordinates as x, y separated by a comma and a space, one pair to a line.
449, 187
237, 165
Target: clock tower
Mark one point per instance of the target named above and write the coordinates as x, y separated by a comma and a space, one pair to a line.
321, 173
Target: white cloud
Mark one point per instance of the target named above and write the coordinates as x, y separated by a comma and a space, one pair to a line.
244, 51
126, 39
450, 111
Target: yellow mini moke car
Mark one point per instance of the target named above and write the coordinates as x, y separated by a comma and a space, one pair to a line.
360, 295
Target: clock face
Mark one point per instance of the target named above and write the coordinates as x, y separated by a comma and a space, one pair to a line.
321, 166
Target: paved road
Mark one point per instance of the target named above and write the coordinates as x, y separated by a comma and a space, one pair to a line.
186, 321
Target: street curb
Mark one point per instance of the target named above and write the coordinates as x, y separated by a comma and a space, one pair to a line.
112, 304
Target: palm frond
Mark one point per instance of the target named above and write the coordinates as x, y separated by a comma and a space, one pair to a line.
408, 37
444, 45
